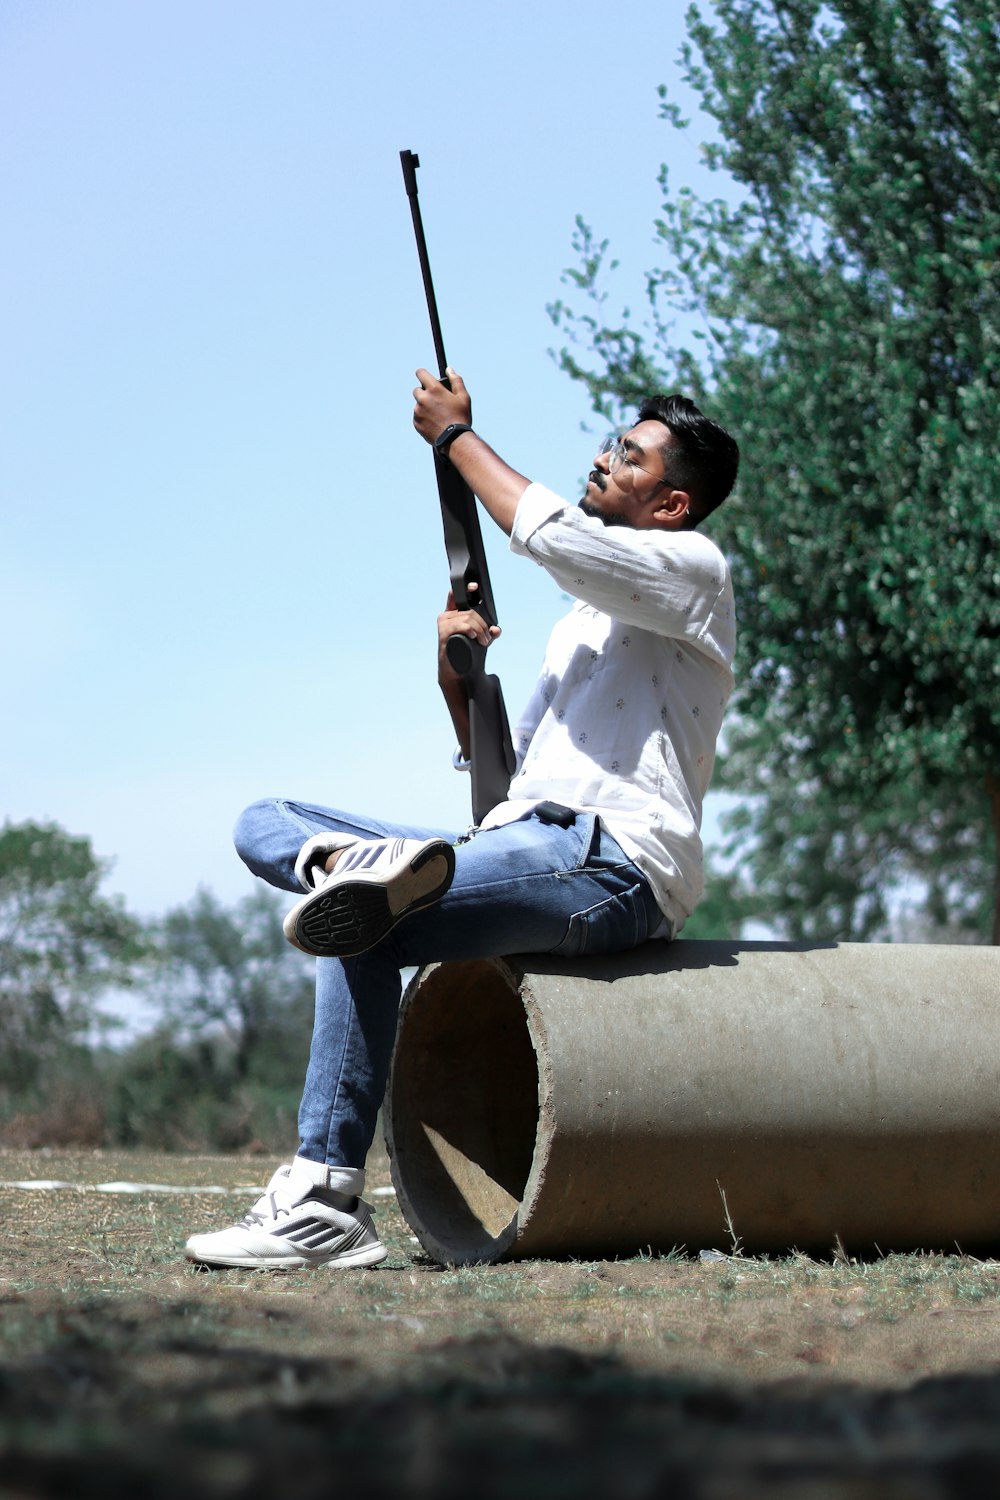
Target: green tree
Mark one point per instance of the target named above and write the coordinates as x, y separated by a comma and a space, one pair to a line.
850, 302
224, 1068
230, 975
726, 908
62, 945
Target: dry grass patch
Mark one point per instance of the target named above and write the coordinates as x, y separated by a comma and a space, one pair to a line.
115, 1353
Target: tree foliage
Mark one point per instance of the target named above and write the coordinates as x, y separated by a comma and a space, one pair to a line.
726, 908
224, 1068
62, 944
228, 975
850, 307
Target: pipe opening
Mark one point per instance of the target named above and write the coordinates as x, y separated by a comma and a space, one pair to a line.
463, 1106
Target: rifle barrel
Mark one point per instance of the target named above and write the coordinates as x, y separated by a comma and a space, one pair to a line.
411, 162
492, 752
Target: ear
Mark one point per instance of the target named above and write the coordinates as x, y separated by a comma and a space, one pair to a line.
671, 509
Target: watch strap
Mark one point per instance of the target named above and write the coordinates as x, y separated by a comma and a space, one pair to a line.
445, 439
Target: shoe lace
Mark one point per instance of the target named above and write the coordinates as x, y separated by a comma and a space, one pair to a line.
267, 1207
275, 1202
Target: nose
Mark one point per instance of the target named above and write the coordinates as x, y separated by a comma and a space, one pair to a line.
602, 461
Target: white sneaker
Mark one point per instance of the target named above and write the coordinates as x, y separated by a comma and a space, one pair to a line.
374, 884
297, 1223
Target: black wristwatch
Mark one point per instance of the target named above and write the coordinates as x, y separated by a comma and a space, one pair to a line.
445, 440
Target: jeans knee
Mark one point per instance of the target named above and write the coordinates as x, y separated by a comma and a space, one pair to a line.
246, 833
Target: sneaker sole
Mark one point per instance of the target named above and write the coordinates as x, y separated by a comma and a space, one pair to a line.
364, 1255
359, 913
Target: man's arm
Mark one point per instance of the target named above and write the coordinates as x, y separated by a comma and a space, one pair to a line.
497, 486
459, 622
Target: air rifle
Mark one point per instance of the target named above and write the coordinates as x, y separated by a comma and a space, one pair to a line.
492, 751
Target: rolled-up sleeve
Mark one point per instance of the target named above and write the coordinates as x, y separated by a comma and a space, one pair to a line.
673, 583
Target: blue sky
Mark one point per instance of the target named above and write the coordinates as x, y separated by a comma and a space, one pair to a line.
223, 555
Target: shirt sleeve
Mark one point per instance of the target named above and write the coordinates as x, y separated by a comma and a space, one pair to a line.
671, 583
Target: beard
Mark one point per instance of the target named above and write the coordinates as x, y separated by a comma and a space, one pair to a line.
606, 519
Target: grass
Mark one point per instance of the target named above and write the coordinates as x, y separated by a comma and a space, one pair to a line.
119, 1244
121, 1365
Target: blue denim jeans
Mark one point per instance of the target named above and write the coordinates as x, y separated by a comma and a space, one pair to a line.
529, 887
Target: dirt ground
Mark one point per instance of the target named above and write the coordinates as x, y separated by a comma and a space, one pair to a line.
124, 1369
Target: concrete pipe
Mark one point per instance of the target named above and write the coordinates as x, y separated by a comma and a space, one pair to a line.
656, 1098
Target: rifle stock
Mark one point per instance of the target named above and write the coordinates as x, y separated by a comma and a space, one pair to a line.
492, 751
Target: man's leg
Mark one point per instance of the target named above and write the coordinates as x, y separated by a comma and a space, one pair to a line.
529, 887
270, 833
312, 1213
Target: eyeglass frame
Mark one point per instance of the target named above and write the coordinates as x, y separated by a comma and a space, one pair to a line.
614, 447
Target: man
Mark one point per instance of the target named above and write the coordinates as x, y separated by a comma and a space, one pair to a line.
597, 847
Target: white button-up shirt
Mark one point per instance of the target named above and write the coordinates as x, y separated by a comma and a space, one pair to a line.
625, 715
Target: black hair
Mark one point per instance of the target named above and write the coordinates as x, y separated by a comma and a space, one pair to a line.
703, 457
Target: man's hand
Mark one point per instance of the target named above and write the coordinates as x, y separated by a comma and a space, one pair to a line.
460, 622
438, 407
494, 483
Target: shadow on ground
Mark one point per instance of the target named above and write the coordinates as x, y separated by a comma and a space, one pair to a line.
157, 1412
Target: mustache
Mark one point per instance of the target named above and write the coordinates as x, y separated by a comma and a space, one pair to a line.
598, 480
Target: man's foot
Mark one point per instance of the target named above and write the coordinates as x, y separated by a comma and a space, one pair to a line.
373, 885
297, 1223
